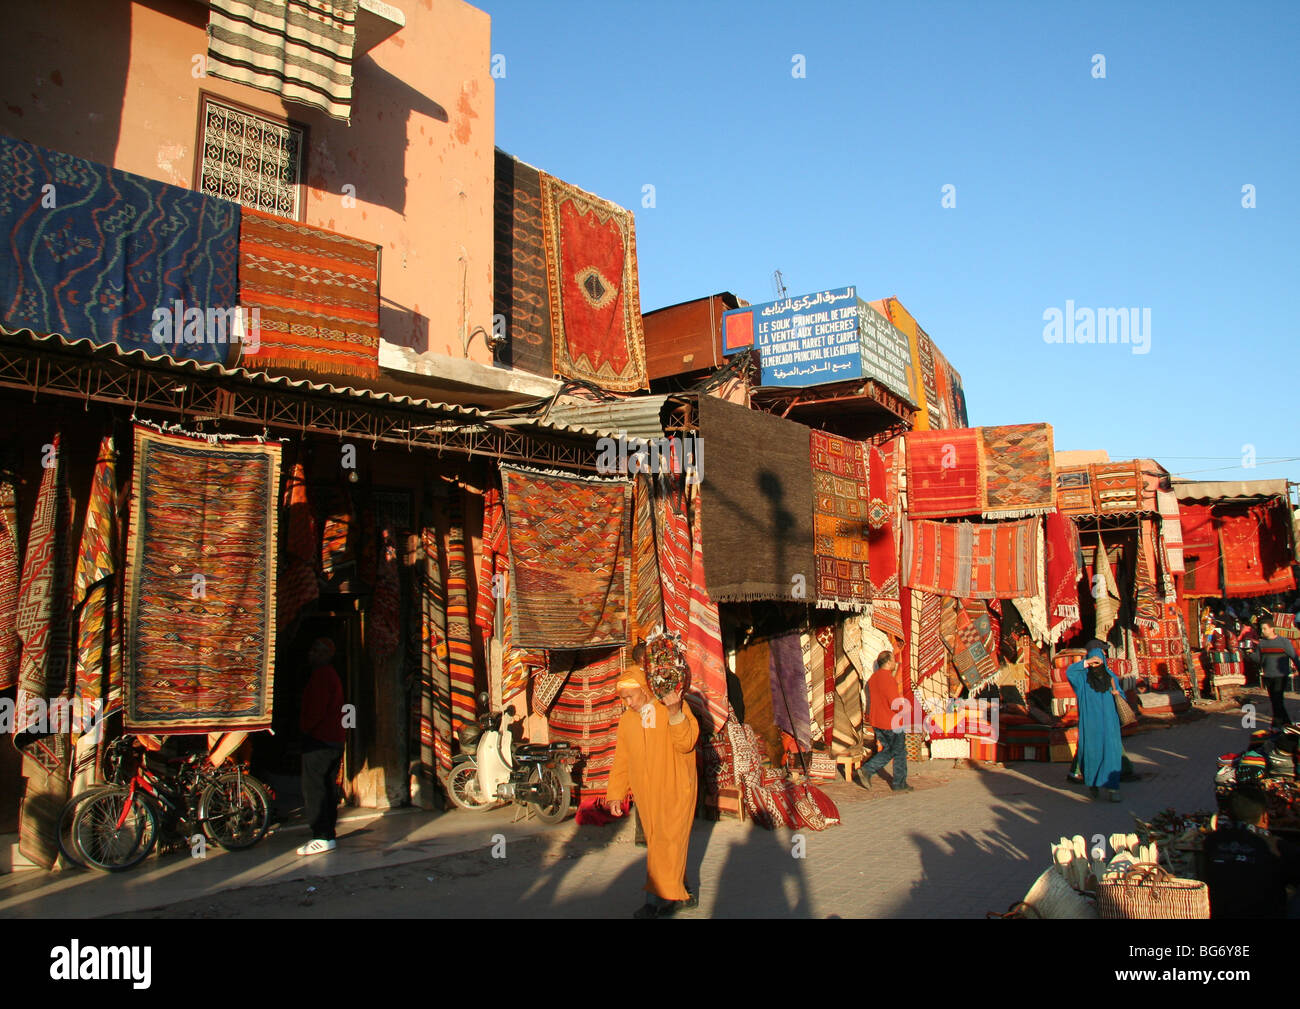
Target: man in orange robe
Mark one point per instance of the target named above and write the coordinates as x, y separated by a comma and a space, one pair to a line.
655, 762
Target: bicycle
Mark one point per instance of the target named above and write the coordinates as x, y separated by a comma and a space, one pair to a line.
114, 827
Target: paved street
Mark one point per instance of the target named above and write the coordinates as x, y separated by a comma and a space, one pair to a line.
970, 839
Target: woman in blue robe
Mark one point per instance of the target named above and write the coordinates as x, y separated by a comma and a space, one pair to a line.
1096, 686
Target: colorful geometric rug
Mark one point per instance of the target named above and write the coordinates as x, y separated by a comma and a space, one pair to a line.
1117, 487
818, 645
517, 664
114, 248
841, 504
704, 653
972, 560
673, 539
758, 505
44, 619
43, 625
432, 755
1074, 490
647, 589
595, 299
1148, 601
882, 507
926, 645
460, 650
10, 571
299, 50
96, 592
976, 664
847, 715
316, 294
945, 473
586, 714
570, 540
200, 575
298, 584
520, 294
1019, 470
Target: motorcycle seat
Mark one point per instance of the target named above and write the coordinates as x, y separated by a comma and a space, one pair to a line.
533, 750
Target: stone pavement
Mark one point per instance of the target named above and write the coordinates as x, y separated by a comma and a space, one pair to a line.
970, 839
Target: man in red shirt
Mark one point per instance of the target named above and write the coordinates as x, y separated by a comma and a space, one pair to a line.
321, 722
884, 715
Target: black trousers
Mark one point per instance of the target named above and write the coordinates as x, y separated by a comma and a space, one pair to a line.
320, 806
1276, 686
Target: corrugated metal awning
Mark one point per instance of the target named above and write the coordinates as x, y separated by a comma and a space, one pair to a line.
638, 416
1229, 490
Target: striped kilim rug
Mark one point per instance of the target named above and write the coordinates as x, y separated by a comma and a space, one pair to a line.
200, 584
586, 713
316, 294
300, 50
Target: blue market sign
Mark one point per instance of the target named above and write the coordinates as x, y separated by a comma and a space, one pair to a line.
809, 340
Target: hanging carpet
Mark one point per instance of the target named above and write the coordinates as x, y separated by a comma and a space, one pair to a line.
704, 654
594, 296
882, 515
945, 473
10, 572
758, 505
971, 560
570, 540
96, 593
1201, 579
200, 600
520, 293
113, 249
1074, 490
841, 506
316, 294
297, 584
586, 713
1062, 571
1171, 530
1019, 470
1117, 487
43, 626
1255, 544
789, 689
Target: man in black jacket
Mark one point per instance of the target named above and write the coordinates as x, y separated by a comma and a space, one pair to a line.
1246, 868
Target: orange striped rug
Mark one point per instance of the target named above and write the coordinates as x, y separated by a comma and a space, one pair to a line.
316, 294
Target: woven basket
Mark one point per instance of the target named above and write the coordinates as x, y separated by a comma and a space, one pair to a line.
1125, 710
1148, 891
1052, 897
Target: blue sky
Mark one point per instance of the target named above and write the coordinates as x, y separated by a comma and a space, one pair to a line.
1122, 192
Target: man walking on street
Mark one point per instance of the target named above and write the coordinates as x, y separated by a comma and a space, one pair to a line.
321, 722
654, 760
1276, 656
891, 741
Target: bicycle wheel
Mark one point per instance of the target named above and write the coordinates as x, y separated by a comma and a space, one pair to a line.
67, 842
115, 830
235, 810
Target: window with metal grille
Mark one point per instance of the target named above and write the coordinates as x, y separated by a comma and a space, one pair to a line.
251, 159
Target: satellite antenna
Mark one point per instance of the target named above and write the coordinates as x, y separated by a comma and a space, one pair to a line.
778, 282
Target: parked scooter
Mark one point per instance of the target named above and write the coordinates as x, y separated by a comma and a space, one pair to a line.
533, 776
